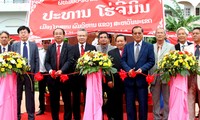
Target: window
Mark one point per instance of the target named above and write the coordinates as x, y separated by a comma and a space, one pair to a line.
187, 11
197, 11
13, 1
20, 1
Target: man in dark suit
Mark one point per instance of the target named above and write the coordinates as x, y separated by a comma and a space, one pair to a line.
28, 50
4, 39
79, 81
58, 60
182, 34
138, 56
115, 84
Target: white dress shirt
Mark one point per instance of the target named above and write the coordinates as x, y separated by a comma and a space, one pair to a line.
42, 55
182, 46
6, 48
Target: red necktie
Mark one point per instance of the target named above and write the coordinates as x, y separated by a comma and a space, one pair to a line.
82, 50
58, 57
121, 52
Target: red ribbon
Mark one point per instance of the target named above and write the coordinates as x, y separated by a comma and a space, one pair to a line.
149, 79
63, 78
53, 74
38, 76
122, 74
133, 74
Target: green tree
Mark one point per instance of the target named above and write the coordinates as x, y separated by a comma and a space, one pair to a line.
178, 20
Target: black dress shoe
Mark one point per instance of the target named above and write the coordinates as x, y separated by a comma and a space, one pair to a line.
40, 112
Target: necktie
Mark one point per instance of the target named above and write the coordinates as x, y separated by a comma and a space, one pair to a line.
104, 49
197, 51
58, 57
82, 50
159, 50
183, 48
137, 50
121, 52
25, 51
4, 49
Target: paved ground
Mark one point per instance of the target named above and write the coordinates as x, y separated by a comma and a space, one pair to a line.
23, 109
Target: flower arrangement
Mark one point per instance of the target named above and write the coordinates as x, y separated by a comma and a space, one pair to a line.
12, 61
93, 61
177, 62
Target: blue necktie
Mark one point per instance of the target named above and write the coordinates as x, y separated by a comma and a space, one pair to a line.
25, 51
4, 49
197, 51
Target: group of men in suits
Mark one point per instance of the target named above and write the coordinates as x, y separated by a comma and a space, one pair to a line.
60, 58
158, 87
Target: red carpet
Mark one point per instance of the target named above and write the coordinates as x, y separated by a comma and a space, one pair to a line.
47, 116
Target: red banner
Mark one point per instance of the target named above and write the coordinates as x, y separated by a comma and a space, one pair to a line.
94, 15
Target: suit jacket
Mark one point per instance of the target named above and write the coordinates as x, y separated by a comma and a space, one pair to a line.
33, 54
191, 49
65, 58
114, 53
165, 49
9, 48
178, 47
76, 53
145, 61
110, 47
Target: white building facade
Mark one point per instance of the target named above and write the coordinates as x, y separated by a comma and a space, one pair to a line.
191, 7
13, 14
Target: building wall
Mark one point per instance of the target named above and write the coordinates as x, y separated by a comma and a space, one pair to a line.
10, 21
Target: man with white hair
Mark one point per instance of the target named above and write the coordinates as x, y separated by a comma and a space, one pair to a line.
182, 34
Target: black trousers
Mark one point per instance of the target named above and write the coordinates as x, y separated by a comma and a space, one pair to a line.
78, 83
115, 99
27, 81
55, 87
42, 90
115, 104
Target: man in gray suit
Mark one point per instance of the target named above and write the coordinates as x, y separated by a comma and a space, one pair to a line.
29, 51
159, 87
104, 42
